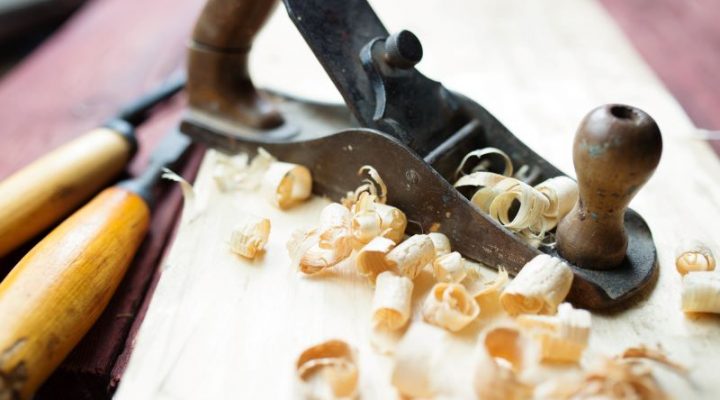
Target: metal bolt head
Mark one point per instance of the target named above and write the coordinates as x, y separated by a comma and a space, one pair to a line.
403, 50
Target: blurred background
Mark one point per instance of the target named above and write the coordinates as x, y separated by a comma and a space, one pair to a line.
680, 40
24, 24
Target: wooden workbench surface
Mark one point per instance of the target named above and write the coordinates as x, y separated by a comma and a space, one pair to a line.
221, 327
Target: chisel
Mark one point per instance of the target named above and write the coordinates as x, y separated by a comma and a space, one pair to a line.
43, 192
59, 289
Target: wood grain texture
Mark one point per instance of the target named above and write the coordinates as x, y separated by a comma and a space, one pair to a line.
59, 289
219, 326
39, 195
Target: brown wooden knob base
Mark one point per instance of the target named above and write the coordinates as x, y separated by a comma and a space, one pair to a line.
593, 254
616, 150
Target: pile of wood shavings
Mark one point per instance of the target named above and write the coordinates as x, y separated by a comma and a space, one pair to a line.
522, 325
539, 208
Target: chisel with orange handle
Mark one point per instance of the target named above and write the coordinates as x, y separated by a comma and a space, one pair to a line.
59, 289
42, 193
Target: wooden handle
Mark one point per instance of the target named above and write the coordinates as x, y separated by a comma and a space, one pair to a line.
231, 24
59, 289
51, 187
218, 80
616, 150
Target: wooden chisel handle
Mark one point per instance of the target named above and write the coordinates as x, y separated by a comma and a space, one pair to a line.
40, 194
59, 289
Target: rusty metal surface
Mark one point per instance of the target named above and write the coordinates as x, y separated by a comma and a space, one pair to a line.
419, 131
423, 193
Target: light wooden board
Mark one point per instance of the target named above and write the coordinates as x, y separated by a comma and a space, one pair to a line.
220, 327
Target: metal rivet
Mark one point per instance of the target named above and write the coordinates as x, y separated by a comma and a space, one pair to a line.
403, 50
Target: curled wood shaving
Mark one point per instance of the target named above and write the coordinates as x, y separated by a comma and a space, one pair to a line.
481, 166
328, 371
657, 355
374, 185
227, 171
539, 288
539, 209
234, 172
562, 337
366, 225
392, 301
487, 295
701, 292
696, 257
498, 194
250, 236
473, 274
449, 267
480, 179
611, 379
412, 255
416, 360
450, 306
300, 242
335, 227
500, 357
193, 206
317, 249
371, 218
287, 184
441, 243
391, 311
623, 377
529, 216
370, 260
562, 194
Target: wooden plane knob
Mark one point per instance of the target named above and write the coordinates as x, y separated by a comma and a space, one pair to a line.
616, 150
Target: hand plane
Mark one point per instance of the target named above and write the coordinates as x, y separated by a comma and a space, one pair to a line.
415, 132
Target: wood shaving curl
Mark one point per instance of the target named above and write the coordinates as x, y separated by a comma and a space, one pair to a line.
373, 185
328, 371
482, 155
701, 292
372, 218
250, 236
449, 267
501, 355
487, 294
613, 378
287, 184
441, 243
234, 172
194, 206
450, 306
562, 194
657, 355
370, 261
391, 302
694, 258
412, 255
562, 337
497, 196
539, 288
315, 250
537, 210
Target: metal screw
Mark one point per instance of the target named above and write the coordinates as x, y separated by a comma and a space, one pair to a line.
403, 50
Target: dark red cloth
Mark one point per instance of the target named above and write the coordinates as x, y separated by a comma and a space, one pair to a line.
681, 42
